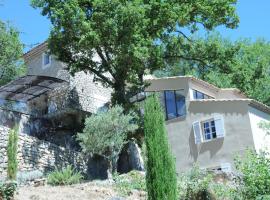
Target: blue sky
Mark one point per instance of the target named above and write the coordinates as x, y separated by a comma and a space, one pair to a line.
34, 28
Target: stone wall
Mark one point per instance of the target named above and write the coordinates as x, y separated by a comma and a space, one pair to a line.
37, 154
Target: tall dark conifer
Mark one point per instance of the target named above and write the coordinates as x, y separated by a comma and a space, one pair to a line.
161, 174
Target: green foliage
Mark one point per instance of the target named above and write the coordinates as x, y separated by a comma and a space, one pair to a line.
161, 174
65, 176
12, 153
129, 38
194, 185
242, 64
105, 133
7, 190
11, 51
224, 191
126, 183
255, 170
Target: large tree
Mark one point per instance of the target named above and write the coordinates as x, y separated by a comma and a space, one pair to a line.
129, 38
11, 50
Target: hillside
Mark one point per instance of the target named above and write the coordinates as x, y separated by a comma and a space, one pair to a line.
98, 190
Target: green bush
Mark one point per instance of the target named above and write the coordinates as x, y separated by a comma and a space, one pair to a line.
12, 153
66, 176
255, 175
194, 184
161, 178
105, 133
7, 190
126, 183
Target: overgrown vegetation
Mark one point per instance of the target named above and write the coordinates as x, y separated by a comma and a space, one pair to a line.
65, 176
251, 182
7, 190
255, 175
106, 132
194, 184
126, 183
12, 147
161, 174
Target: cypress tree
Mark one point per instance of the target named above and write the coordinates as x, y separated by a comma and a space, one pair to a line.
161, 174
12, 153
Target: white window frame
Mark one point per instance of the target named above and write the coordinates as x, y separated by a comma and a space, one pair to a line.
44, 66
211, 133
199, 133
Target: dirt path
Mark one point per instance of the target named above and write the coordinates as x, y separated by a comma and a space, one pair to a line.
85, 191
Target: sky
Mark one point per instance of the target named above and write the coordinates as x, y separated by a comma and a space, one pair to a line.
35, 28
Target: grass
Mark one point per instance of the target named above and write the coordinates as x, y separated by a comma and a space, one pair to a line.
126, 183
65, 176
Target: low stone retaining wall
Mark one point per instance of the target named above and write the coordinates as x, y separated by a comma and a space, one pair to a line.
35, 154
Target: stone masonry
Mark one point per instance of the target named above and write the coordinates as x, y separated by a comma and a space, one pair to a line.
35, 154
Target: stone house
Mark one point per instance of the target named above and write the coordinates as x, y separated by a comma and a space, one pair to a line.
49, 105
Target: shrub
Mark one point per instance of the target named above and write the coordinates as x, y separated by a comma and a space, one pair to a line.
7, 190
12, 153
255, 175
125, 183
24, 177
66, 176
194, 184
161, 178
105, 133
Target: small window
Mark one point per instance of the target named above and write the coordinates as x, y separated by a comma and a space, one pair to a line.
46, 59
200, 95
209, 129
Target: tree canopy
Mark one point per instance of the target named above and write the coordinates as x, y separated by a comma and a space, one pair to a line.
242, 64
120, 41
11, 50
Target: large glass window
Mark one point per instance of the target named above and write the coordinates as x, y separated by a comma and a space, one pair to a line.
174, 103
170, 103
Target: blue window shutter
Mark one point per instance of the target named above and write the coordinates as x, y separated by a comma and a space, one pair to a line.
197, 132
219, 124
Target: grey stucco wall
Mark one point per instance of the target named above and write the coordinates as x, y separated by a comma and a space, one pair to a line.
180, 132
238, 135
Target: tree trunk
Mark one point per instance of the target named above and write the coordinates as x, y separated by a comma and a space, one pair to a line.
119, 95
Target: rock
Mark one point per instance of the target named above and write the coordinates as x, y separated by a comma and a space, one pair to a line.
130, 159
39, 182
